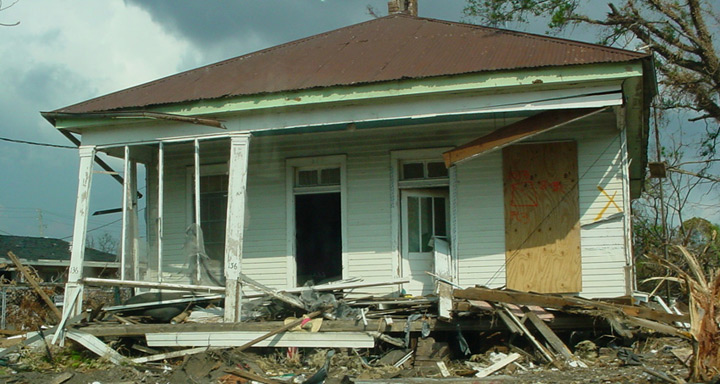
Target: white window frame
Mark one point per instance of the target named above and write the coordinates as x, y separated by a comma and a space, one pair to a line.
205, 170
410, 155
304, 163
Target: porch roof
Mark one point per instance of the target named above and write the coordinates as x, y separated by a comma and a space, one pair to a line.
391, 48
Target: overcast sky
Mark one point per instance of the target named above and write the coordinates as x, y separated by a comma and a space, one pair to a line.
66, 52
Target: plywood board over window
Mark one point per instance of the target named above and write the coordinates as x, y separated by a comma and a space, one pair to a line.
542, 226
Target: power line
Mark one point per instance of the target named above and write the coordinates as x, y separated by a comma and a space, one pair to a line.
36, 143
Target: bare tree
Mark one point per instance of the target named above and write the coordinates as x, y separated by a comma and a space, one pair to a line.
678, 32
4, 8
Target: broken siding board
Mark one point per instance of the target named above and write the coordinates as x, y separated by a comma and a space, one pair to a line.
542, 218
285, 339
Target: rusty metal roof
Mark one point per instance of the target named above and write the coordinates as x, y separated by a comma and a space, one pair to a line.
385, 49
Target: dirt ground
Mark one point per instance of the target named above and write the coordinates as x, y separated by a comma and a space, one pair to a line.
73, 365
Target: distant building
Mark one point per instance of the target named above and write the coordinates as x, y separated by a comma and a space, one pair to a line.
51, 259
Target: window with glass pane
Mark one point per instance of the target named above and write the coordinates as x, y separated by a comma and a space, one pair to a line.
436, 169
426, 219
317, 177
419, 170
412, 171
213, 213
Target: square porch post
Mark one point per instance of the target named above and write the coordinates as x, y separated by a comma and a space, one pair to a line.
74, 287
235, 226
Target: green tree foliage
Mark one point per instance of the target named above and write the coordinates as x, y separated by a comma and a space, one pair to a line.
679, 33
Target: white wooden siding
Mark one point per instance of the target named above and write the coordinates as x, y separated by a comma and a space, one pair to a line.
481, 214
481, 245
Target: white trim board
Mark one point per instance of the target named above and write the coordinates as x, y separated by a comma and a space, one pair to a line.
284, 339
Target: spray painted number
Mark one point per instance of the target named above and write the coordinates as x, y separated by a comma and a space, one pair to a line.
74, 270
233, 266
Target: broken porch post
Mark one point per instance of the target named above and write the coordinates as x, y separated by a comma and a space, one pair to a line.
235, 226
74, 286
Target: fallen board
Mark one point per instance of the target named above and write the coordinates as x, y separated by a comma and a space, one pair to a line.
285, 339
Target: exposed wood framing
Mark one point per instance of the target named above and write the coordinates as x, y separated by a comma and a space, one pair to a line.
560, 302
531, 126
235, 226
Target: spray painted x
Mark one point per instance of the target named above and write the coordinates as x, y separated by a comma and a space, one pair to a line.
611, 201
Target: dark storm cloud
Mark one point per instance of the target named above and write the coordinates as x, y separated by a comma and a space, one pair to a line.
213, 24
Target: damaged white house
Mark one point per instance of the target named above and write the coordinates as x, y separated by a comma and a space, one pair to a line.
381, 151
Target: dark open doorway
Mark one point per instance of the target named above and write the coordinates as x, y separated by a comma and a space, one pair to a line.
318, 237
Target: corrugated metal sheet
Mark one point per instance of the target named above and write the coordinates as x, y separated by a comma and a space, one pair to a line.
385, 49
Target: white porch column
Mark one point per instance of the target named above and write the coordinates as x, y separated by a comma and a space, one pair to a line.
74, 288
235, 226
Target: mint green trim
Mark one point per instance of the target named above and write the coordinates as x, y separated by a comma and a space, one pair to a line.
551, 76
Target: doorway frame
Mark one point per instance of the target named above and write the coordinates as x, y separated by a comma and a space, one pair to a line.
291, 165
421, 154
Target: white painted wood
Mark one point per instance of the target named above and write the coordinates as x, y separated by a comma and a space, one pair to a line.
196, 187
77, 254
97, 346
484, 372
170, 355
284, 339
442, 264
235, 226
160, 209
291, 165
124, 241
415, 264
631, 283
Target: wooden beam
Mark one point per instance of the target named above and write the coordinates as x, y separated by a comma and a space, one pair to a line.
96, 345
509, 134
284, 339
235, 225
77, 254
559, 302
284, 328
552, 338
34, 284
171, 355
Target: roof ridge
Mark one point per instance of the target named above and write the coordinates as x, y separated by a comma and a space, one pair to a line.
554, 39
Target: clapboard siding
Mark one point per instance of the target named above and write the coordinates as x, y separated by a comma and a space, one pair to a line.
480, 213
481, 258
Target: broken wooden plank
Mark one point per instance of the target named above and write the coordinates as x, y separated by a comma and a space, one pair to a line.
552, 338
445, 302
560, 302
97, 346
150, 284
284, 339
31, 279
171, 355
484, 372
275, 332
509, 134
543, 351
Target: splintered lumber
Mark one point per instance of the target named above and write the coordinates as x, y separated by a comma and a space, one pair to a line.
445, 302
31, 279
97, 346
552, 338
171, 355
275, 332
284, 297
560, 302
498, 365
543, 351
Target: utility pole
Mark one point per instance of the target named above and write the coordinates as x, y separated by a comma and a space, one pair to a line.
41, 225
